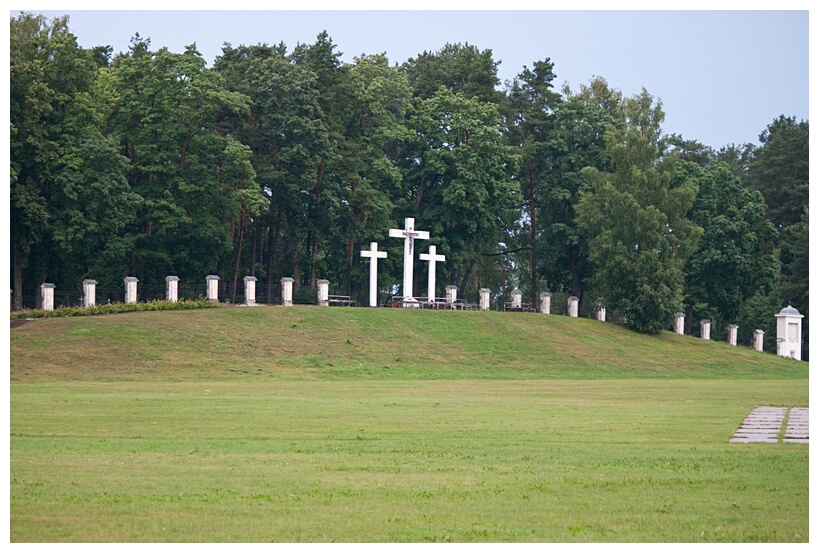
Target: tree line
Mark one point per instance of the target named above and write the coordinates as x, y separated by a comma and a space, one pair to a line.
278, 163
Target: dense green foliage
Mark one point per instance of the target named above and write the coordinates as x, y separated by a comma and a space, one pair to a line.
276, 163
635, 218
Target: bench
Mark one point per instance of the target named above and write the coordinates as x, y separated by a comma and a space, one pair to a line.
341, 300
507, 306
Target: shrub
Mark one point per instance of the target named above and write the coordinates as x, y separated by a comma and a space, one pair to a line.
154, 305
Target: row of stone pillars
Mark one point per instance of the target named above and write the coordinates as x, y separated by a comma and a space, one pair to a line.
788, 332
789, 320
545, 303
89, 289
172, 291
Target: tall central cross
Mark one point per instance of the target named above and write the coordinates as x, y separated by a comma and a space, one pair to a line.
432, 258
373, 254
409, 234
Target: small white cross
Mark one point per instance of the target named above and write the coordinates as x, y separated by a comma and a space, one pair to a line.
373, 254
432, 258
409, 234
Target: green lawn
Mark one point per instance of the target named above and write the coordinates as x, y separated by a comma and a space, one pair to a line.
161, 432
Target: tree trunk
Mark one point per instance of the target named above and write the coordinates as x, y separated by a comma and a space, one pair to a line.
254, 236
315, 241
294, 256
689, 314
350, 248
466, 275
574, 253
18, 281
532, 237
313, 263
238, 259
272, 255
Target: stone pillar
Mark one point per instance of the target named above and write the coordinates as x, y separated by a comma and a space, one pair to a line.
573, 303
451, 294
212, 287
484, 300
47, 296
732, 334
601, 313
679, 323
759, 336
131, 289
89, 293
172, 288
780, 347
517, 299
705, 329
250, 290
545, 303
323, 292
287, 291
789, 330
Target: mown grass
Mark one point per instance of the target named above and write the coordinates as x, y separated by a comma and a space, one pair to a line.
235, 425
337, 343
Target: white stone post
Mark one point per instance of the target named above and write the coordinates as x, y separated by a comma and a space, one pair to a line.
679, 323
410, 235
517, 299
433, 257
705, 329
789, 330
573, 303
250, 290
780, 347
601, 313
484, 301
732, 334
131, 289
545, 303
374, 255
89, 293
451, 295
323, 292
47, 296
172, 288
759, 337
287, 291
213, 287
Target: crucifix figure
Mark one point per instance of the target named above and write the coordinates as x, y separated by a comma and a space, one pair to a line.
409, 234
373, 254
432, 258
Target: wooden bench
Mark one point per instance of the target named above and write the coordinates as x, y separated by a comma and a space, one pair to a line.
341, 300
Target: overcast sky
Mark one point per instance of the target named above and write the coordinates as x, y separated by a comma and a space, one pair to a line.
722, 76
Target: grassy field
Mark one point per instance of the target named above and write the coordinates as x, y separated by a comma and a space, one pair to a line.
312, 424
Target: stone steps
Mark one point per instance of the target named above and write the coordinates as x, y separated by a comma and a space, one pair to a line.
764, 424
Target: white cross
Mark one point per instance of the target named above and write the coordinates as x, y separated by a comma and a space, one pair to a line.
409, 234
432, 258
373, 254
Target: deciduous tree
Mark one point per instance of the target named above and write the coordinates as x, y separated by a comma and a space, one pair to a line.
639, 236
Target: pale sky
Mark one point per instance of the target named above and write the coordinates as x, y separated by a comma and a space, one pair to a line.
722, 76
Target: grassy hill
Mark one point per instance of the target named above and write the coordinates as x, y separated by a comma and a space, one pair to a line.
311, 424
308, 342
